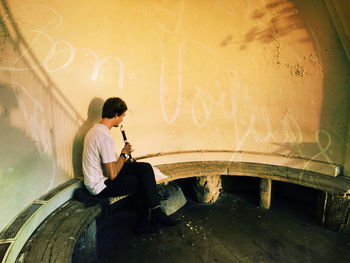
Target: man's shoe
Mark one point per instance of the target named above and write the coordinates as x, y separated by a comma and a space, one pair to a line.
145, 228
159, 218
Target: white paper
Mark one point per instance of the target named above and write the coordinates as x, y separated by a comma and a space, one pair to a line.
158, 174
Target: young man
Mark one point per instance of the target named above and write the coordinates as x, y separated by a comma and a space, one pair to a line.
108, 176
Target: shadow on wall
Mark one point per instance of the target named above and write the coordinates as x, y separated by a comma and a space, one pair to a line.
93, 116
25, 168
22, 69
19, 153
15, 144
37, 124
332, 131
284, 17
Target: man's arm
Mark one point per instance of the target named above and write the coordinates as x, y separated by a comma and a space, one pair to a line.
112, 169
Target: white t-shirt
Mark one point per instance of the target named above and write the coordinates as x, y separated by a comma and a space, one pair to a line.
98, 149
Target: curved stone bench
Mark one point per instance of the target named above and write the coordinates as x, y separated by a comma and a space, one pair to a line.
49, 228
16, 234
68, 234
56, 238
334, 209
339, 185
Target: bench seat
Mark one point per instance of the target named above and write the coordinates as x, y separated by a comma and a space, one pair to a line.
72, 227
335, 185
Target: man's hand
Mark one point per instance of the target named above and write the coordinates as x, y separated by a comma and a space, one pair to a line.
127, 149
112, 169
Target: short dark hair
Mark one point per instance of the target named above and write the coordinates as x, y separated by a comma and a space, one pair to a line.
113, 106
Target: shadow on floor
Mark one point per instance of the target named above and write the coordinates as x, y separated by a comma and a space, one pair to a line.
232, 230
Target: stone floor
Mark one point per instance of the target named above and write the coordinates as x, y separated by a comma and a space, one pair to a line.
232, 230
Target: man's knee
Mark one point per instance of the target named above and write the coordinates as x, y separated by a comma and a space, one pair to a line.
145, 170
146, 167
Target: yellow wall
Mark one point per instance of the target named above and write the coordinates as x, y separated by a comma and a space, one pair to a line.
262, 75
339, 11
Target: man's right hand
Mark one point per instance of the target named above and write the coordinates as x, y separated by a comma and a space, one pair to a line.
127, 149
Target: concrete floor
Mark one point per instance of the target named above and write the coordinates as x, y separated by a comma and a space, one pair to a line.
231, 230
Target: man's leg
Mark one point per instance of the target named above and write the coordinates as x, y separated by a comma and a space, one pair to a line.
138, 178
128, 184
148, 188
122, 185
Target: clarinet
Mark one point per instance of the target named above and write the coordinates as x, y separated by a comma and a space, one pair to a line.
125, 139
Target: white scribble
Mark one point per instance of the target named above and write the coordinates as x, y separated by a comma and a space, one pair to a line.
240, 140
221, 104
202, 97
163, 86
178, 17
180, 77
99, 62
66, 47
323, 150
46, 28
37, 126
269, 134
53, 52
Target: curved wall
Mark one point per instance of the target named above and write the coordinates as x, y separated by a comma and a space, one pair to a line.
266, 76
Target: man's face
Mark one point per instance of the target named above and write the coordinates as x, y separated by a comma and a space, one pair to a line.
118, 119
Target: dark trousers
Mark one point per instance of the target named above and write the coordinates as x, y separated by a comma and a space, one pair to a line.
136, 178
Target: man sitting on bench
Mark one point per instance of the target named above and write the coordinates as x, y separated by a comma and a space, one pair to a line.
107, 176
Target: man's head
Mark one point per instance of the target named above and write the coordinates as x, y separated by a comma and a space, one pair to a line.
114, 108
